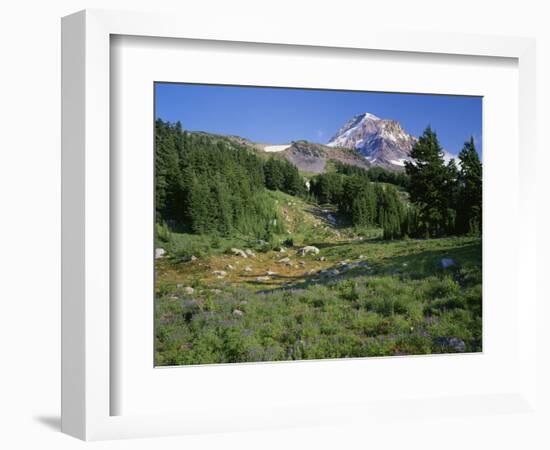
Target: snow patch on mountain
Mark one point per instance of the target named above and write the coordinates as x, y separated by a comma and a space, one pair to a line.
276, 148
399, 162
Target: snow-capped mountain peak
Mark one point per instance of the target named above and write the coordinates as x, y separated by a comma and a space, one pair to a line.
351, 127
381, 141
370, 116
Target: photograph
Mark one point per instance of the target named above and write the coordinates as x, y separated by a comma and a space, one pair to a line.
310, 224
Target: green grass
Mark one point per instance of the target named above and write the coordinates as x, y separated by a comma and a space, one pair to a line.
400, 303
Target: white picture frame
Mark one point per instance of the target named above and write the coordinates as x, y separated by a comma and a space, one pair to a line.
87, 325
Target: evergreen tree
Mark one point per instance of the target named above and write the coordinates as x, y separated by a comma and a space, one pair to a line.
430, 182
294, 183
328, 187
358, 199
451, 192
167, 174
199, 212
390, 212
281, 175
469, 204
274, 175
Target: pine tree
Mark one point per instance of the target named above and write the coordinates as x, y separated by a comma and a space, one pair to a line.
469, 207
274, 175
429, 185
391, 212
167, 174
199, 208
451, 192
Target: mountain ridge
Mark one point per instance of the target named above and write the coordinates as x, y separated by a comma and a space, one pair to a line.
365, 141
383, 142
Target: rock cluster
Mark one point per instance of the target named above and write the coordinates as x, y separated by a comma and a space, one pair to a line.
308, 249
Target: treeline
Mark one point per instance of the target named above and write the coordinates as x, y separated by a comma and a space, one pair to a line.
443, 199
206, 184
368, 204
378, 174
280, 175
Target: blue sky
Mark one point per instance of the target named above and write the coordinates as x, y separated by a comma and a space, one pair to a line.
280, 115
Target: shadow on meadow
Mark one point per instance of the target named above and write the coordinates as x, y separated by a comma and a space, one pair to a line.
416, 265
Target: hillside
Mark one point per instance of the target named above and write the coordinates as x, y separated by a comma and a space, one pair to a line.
313, 158
308, 157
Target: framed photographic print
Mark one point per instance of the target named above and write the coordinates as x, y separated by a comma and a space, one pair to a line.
261, 232
279, 241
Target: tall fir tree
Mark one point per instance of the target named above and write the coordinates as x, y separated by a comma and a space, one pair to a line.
430, 182
274, 175
469, 203
167, 173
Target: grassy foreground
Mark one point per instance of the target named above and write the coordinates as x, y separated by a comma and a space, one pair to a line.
358, 297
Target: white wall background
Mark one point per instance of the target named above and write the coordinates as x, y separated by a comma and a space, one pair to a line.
30, 196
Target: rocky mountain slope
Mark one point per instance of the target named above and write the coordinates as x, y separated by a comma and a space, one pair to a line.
382, 142
310, 157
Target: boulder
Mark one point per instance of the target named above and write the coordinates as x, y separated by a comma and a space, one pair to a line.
265, 278
239, 252
446, 263
159, 253
269, 272
458, 345
238, 313
250, 253
285, 260
189, 290
219, 273
308, 249
248, 269
193, 258
229, 267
